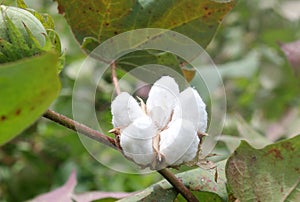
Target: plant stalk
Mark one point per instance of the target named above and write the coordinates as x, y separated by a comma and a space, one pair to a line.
80, 128
178, 185
93, 134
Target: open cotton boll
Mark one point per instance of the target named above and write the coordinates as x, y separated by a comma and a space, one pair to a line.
191, 107
125, 110
165, 132
136, 140
179, 143
163, 95
201, 107
159, 117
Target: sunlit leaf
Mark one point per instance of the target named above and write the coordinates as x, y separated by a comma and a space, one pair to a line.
27, 89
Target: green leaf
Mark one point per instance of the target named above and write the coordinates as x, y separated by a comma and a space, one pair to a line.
27, 89
201, 182
56, 45
21, 4
104, 19
268, 174
144, 57
93, 22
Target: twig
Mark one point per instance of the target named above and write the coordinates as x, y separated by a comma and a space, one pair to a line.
178, 185
80, 128
93, 134
114, 78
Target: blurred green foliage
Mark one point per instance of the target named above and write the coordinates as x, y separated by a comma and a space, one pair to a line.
43, 156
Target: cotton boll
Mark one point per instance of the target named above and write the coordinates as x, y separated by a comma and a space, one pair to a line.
179, 143
173, 118
163, 94
125, 110
191, 107
136, 140
159, 117
201, 107
186, 107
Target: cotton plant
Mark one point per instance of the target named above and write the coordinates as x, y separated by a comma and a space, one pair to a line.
166, 131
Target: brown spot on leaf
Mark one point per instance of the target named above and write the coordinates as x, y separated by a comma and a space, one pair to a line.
253, 159
61, 9
276, 153
288, 146
43, 93
18, 112
3, 118
32, 108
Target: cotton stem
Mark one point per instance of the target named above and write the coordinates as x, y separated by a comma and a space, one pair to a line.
114, 78
80, 128
93, 134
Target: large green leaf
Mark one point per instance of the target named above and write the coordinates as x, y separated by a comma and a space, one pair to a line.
27, 89
94, 21
268, 174
201, 181
101, 19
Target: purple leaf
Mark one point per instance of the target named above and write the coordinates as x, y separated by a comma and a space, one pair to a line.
61, 194
292, 52
96, 195
65, 193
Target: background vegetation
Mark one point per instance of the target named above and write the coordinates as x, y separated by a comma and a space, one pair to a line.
262, 92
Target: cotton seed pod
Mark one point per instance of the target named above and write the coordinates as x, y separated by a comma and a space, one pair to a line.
23, 35
164, 132
21, 18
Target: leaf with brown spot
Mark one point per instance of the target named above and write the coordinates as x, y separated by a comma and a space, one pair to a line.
268, 174
101, 19
95, 21
27, 89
